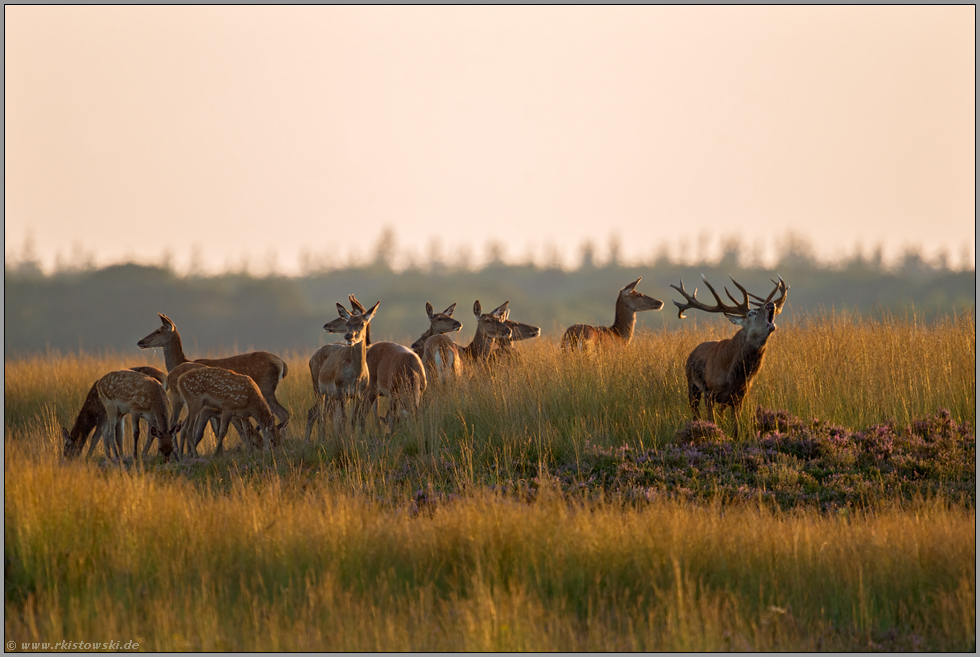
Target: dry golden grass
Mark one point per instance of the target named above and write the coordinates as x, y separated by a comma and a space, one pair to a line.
322, 546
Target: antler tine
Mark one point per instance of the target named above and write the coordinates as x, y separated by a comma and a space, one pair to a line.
692, 302
780, 286
744, 304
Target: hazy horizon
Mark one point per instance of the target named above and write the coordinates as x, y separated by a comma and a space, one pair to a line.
276, 136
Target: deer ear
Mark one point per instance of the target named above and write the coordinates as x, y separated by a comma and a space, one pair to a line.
737, 320
500, 310
282, 425
166, 321
369, 315
449, 310
629, 288
477, 308
343, 311
428, 309
177, 427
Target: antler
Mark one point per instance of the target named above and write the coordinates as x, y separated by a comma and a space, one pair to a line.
740, 308
781, 287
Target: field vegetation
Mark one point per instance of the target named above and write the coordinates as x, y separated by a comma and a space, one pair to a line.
543, 503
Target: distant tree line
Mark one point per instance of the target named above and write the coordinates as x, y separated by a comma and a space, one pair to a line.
86, 309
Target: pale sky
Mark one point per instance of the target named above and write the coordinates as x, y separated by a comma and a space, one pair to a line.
224, 135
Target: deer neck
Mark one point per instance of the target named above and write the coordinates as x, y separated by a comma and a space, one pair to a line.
625, 321
358, 353
173, 352
748, 359
480, 345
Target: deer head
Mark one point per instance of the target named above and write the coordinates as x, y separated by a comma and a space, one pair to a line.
357, 323
160, 337
637, 301
492, 324
757, 322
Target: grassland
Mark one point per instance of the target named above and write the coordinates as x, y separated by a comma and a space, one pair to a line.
544, 504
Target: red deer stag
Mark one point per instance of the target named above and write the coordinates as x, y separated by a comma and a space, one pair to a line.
628, 303
340, 371
267, 370
722, 371
127, 392
92, 416
208, 391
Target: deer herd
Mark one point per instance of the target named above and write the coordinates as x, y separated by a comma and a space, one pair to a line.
356, 372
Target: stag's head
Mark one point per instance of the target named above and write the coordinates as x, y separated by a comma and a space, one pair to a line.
356, 323
637, 301
492, 324
758, 323
160, 337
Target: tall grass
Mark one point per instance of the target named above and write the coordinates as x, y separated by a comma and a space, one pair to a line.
417, 541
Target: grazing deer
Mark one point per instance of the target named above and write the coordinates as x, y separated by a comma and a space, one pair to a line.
723, 370
92, 416
628, 303
439, 323
340, 371
211, 390
266, 369
244, 428
127, 392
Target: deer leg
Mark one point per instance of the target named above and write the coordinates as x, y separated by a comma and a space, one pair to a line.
694, 399
223, 429
96, 437
315, 413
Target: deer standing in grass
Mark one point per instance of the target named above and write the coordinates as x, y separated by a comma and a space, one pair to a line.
628, 303
490, 327
244, 427
340, 371
213, 390
396, 373
439, 356
267, 370
127, 392
92, 416
722, 371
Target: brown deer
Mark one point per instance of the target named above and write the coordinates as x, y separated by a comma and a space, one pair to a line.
518, 332
396, 372
340, 371
628, 303
211, 390
92, 416
723, 370
439, 323
127, 392
266, 369
439, 357
443, 358
244, 428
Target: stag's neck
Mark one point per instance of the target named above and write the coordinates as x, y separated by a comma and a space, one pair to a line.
173, 352
748, 360
625, 322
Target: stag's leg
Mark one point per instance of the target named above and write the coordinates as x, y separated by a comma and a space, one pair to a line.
694, 399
